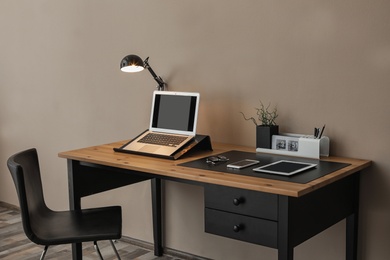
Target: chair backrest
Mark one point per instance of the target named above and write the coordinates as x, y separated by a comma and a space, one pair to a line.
24, 168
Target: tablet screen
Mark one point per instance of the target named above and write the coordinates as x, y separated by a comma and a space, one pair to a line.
284, 167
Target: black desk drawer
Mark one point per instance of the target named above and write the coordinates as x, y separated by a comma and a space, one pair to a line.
244, 228
246, 202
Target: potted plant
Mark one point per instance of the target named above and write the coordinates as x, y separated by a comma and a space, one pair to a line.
265, 124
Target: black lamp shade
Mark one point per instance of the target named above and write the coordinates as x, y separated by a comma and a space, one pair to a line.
132, 63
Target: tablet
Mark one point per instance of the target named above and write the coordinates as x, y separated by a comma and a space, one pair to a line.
284, 167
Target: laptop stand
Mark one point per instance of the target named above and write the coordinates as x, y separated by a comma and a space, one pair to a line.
199, 143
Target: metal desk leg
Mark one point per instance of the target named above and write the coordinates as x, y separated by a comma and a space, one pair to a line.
285, 253
285, 249
157, 216
352, 224
74, 203
351, 231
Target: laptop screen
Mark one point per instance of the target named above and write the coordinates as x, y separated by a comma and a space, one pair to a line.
174, 112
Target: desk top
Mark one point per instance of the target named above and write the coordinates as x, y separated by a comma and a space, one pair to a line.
105, 155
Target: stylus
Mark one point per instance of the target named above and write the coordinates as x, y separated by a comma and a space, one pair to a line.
322, 131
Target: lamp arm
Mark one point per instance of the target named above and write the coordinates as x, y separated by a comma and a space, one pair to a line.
158, 79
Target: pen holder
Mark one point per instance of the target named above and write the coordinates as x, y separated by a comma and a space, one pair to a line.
298, 145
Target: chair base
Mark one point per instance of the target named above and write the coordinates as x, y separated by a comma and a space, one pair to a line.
95, 245
100, 254
43, 253
116, 251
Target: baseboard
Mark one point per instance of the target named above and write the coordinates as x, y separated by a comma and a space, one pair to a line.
167, 251
9, 206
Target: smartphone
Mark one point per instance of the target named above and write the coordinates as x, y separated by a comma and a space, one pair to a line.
242, 164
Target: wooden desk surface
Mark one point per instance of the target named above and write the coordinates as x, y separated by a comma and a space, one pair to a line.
104, 155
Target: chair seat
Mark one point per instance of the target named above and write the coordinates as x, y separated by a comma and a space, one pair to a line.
63, 227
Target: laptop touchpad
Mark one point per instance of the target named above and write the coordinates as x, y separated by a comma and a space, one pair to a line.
149, 148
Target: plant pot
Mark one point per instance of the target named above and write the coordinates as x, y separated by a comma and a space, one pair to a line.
264, 135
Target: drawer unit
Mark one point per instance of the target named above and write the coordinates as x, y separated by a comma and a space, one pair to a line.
244, 215
245, 202
244, 228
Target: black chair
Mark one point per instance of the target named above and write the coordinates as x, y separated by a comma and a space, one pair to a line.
46, 227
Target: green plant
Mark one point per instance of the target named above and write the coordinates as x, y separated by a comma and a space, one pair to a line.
265, 116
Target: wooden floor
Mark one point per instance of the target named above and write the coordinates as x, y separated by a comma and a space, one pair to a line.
14, 245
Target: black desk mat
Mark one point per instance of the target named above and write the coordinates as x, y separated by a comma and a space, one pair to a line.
323, 167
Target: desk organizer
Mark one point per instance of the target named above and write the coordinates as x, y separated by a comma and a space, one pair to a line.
298, 145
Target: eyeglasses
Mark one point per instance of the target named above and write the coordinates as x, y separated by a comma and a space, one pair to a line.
216, 159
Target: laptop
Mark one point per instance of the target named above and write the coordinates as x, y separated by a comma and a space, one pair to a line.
172, 124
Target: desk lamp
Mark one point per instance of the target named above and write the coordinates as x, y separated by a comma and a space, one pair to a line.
133, 63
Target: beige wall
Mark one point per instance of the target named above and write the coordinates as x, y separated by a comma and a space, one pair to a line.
319, 61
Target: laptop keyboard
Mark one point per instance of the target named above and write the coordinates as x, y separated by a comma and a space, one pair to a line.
161, 139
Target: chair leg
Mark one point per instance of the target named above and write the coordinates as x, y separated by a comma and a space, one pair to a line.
116, 252
44, 253
97, 249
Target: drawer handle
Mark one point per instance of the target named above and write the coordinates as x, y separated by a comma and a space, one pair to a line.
237, 228
238, 201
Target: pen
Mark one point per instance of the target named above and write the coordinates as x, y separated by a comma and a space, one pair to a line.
322, 131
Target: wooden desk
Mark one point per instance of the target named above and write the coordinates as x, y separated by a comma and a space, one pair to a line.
296, 213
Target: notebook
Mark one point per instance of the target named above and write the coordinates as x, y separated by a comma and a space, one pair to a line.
172, 124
